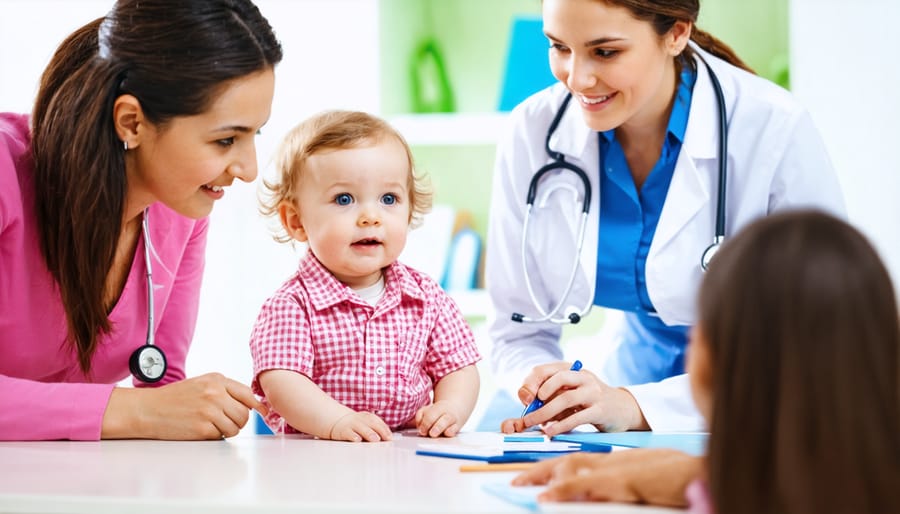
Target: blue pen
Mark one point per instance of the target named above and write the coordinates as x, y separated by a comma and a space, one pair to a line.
536, 403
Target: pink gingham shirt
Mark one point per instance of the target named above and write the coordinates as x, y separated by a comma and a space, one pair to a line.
383, 359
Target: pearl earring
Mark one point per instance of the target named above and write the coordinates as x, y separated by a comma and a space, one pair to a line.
126, 145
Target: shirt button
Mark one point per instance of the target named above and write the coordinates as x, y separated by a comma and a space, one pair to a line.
379, 370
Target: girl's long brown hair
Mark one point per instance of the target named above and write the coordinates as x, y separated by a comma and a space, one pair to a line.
174, 56
802, 326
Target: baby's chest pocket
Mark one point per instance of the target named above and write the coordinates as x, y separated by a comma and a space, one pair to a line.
412, 350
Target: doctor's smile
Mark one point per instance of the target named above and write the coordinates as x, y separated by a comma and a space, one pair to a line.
596, 102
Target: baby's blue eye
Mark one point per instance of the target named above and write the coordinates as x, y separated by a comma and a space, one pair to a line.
389, 199
343, 199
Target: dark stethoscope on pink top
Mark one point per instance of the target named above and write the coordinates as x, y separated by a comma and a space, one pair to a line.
572, 314
148, 363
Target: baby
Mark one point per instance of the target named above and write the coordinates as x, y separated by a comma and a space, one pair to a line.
355, 343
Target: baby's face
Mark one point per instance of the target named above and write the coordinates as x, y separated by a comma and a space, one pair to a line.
354, 208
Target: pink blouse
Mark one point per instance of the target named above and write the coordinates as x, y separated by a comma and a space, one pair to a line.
43, 392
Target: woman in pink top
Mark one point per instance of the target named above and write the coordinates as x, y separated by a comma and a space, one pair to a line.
141, 119
795, 364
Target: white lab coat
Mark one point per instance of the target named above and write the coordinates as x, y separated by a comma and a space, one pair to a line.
776, 161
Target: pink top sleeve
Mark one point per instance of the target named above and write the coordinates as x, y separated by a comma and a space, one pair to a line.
697, 495
43, 392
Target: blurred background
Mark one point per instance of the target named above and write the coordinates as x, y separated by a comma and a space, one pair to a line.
445, 72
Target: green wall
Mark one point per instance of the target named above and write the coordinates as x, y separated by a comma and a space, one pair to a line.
472, 37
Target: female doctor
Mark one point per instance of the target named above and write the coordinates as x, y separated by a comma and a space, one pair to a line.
679, 145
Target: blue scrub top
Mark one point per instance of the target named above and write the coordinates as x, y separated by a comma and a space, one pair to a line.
650, 350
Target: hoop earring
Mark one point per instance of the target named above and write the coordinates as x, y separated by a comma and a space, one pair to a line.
126, 145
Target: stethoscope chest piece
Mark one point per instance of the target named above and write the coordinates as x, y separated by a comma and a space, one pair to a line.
148, 363
710, 252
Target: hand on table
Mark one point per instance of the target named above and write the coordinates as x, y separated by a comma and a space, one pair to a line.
360, 426
655, 476
573, 398
439, 418
210, 406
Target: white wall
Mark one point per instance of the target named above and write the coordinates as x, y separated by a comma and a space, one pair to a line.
331, 61
844, 69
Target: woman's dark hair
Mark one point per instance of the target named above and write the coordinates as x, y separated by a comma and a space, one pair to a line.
802, 329
175, 57
663, 14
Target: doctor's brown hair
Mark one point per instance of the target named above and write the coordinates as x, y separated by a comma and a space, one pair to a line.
175, 57
662, 15
335, 130
803, 337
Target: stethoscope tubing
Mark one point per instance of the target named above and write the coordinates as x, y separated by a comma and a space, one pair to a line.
572, 317
148, 362
151, 310
559, 163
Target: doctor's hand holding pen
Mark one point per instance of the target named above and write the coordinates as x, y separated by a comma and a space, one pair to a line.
571, 397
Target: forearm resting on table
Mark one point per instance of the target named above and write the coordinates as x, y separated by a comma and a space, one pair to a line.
302, 404
122, 418
459, 388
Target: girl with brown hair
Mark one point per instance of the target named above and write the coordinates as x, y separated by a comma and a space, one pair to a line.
795, 365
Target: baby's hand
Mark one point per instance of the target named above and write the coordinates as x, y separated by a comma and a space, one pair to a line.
360, 426
439, 418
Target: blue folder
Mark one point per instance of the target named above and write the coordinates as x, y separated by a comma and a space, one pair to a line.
527, 67
506, 457
693, 443
510, 456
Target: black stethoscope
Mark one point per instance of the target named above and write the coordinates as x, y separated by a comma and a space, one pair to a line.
572, 314
148, 363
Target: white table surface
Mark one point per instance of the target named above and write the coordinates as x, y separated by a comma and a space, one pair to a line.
258, 474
